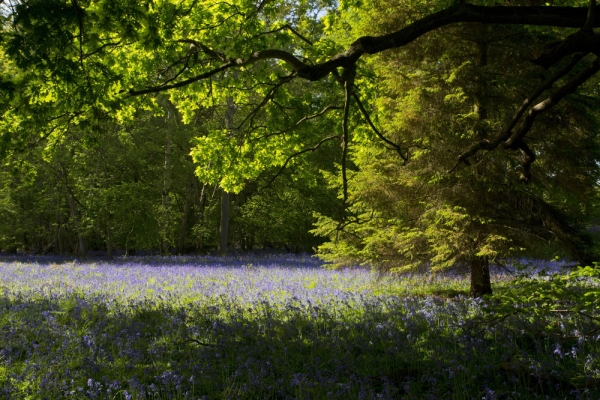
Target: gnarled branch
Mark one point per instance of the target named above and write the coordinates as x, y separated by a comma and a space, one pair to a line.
514, 140
552, 16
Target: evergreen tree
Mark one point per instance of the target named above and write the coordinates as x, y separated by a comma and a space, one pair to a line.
436, 97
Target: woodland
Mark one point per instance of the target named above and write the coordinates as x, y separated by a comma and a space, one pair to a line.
402, 135
299, 199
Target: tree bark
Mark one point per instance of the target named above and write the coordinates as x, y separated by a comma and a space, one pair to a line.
573, 17
109, 248
224, 226
186, 213
166, 201
480, 277
225, 197
82, 245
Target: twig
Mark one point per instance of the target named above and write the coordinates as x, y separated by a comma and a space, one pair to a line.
299, 122
379, 134
291, 29
299, 153
200, 343
266, 99
494, 321
577, 312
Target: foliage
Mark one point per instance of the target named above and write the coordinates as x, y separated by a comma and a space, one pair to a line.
116, 175
539, 297
435, 98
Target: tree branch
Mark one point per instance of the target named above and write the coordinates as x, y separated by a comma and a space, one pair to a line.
231, 63
291, 29
577, 312
528, 159
589, 22
379, 134
489, 146
514, 141
573, 17
348, 79
266, 99
299, 153
300, 121
99, 49
215, 55
262, 5
582, 41
162, 88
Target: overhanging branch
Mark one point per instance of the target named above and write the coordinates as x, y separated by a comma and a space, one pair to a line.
513, 140
573, 17
551, 101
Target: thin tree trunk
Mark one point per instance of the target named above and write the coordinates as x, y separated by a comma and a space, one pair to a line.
127, 251
186, 212
109, 249
224, 226
60, 242
82, 246
225, 197
480, 277
166, 201
199, 203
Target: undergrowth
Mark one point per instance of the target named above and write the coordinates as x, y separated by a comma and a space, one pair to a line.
102, 331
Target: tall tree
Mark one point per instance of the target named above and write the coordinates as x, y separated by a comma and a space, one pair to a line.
458, 88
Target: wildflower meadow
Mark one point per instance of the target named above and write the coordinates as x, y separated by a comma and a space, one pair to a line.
285, 327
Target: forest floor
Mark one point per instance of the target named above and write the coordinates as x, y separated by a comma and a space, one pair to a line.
284, 327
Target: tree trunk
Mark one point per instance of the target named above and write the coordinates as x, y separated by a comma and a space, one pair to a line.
199, 203
480, 277
224, 226
225, 197
82, 245
186, 214
109, 248
480, 268
166, 185
128, 251
58, 239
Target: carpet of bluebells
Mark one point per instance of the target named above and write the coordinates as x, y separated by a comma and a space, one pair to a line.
274, 327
